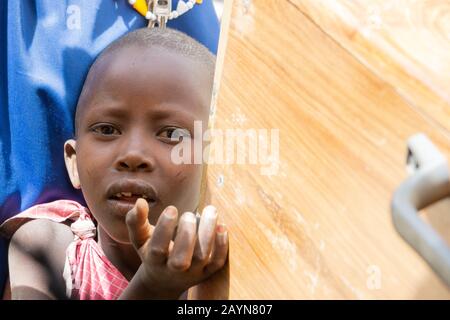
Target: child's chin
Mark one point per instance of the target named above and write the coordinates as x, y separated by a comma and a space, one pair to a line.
117, 231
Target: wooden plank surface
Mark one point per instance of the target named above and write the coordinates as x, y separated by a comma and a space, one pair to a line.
344, 104
404, 42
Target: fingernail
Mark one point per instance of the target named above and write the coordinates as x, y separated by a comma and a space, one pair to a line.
189, 217
221, 228
210, 212
222, 234
170, 212
140, 202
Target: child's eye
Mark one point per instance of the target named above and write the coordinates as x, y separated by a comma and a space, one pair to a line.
174, 134
105, 129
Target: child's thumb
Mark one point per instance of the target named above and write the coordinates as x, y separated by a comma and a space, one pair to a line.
139, 229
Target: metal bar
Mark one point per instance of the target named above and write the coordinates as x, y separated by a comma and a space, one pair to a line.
428, 182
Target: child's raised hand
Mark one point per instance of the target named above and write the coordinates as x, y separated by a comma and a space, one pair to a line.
172, 267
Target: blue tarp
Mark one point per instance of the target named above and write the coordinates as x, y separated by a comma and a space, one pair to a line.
46, 48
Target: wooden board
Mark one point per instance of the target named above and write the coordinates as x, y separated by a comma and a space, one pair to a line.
344, 100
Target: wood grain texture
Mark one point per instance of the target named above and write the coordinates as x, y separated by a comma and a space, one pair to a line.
344, 103
404, 42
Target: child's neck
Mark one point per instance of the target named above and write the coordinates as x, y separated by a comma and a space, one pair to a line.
123, 256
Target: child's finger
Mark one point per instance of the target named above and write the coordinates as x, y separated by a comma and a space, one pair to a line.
183, 248
162, 234
205, 234
220, 250
139, 229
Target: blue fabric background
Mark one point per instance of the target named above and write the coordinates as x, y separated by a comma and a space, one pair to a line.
46, 48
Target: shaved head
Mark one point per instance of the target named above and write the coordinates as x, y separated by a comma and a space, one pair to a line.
169, 40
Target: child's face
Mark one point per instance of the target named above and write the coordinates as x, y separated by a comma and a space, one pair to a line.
130, 106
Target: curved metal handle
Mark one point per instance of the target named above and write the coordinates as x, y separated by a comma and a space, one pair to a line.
429, 182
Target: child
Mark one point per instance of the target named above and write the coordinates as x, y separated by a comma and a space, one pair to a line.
141, 98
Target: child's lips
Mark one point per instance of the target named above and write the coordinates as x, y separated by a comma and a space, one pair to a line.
122, 195
130, 190
132, 198
123, 205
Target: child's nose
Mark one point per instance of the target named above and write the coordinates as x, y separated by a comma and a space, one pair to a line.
134, 163
135, 158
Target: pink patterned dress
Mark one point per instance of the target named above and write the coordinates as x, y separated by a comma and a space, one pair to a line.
88, 273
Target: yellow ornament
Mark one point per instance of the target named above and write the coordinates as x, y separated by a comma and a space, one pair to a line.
148, 10
140, 6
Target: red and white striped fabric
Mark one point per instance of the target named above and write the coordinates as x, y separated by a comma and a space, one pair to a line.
88, 273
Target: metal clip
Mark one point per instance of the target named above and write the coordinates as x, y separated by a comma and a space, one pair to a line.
161, 9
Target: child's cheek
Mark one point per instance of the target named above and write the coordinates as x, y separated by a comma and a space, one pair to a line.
188, 175
180, 177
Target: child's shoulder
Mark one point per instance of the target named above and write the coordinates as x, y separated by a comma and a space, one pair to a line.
42, 238
43, 233
44, 226
37, 256
60, 211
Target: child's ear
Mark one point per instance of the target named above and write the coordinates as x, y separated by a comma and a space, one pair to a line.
70, 157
